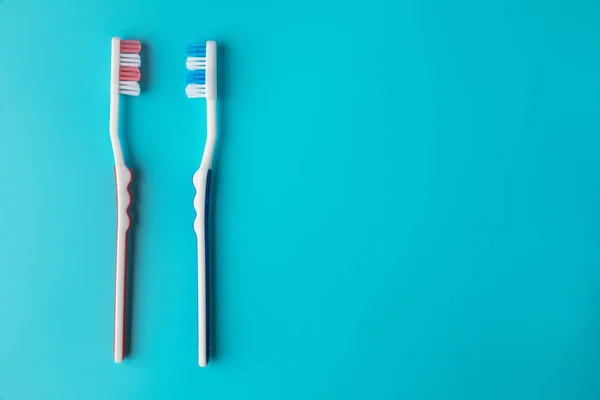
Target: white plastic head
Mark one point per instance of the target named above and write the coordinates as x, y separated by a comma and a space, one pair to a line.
202, 64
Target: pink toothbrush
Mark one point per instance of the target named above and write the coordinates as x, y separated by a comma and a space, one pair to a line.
124, 79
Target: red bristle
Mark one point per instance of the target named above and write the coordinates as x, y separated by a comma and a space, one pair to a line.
130, 46
132, 74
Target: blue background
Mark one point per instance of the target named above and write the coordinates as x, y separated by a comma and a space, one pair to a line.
406, 200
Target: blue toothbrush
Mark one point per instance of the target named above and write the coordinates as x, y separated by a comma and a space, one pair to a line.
202, 83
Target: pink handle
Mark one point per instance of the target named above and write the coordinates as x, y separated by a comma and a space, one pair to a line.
123, 179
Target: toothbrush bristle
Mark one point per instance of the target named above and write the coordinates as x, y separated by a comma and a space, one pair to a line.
197, 50
196, 64
130, 74
130, 46
198, 77
129, 71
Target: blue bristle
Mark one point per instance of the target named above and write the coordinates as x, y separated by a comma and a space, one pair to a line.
196, 50
198, 77
197, 53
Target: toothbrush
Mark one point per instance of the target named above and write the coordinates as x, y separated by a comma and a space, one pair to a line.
202, 82
124, 79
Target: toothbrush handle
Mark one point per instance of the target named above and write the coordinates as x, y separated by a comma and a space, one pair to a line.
123, 180
202, 179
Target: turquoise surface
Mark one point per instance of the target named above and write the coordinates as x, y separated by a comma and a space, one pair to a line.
406, 200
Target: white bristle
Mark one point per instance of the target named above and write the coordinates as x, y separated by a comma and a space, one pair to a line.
195, 63
129, 88
195, 90
130, 60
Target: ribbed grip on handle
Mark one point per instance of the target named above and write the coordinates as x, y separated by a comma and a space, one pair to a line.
201, 200
123, 179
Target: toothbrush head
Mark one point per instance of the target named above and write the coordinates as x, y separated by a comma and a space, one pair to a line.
202, 75
129, 67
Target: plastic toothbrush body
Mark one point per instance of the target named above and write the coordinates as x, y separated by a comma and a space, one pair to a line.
201, 80
125, 74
